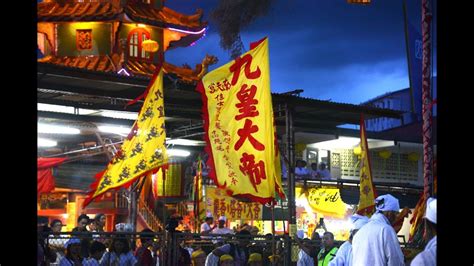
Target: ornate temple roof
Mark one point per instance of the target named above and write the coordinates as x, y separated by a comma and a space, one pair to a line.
106, 11
111, 64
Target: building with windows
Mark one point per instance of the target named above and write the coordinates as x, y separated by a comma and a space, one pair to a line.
401, 101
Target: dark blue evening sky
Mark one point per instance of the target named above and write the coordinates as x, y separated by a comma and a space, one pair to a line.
329, 48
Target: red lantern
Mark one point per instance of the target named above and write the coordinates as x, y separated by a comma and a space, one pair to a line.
358, 2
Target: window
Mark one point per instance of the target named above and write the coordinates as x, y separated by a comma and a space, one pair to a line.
84, 39
135, 39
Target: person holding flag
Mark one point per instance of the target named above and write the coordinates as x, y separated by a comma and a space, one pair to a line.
376, 243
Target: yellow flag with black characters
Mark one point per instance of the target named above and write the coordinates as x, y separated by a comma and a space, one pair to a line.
367, 190
144, 150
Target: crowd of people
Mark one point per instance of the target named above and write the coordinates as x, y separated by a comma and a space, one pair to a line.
372, 241
314, 172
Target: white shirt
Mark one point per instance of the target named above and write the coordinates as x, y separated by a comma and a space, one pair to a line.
376, 243
324, 174
90, 262
212, 260
343, 255
304, 259
428, 256
222, 231
301, 171
205, 227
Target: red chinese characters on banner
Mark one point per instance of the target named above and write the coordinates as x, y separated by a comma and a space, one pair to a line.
247, 61
220, 204
247, 101
246, 133
247, 109
256, 172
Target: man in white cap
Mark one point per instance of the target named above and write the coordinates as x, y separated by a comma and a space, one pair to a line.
376, 243
206, 226
344, 254
428, 256
221, 229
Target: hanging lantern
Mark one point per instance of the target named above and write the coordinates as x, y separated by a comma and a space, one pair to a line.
366, 2
150, 46
358, 150
385, 154
413, 157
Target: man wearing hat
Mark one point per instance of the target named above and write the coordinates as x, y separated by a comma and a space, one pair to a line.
206, 226
198, 258
428, 256
255, 259
344, 254
376, 243
221, 229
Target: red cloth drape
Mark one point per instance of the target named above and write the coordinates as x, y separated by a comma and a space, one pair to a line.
45, 177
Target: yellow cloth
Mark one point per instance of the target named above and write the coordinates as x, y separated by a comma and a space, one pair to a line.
226, 257
241, 129
144, 150
274, 258
367, 190
255, 257
197, 253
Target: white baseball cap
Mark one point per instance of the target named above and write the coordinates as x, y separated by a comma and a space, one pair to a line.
223, 218
387, 202
431, 210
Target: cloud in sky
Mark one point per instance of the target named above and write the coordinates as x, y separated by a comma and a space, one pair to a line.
330, 49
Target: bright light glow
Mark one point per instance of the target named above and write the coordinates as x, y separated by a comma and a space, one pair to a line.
65, 216
114, 129
340, 143
141, 25
120, 115
178, 152
55, 108
189, 32
186, 142
46, 143
53, 129
123, 71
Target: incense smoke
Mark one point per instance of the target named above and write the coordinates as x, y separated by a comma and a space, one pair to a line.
231, 16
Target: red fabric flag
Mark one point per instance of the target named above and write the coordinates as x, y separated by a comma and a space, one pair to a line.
45, 177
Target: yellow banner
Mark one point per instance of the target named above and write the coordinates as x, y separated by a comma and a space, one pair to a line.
173, 182
218, 203
144, 149
367, 190
240, 128
326, 201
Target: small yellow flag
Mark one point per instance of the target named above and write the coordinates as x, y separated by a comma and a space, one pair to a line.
367, 190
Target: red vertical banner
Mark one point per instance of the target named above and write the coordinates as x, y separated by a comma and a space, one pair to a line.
426, 98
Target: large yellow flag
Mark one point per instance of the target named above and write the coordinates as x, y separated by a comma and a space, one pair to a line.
144, 149
367, 190
240, 129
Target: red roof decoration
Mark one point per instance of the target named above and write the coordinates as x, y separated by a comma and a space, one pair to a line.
105, 11
111, 63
